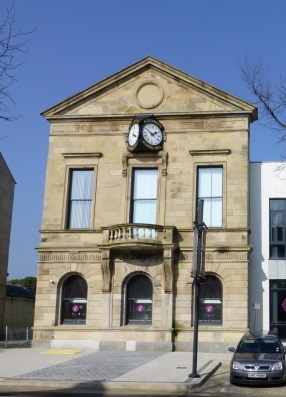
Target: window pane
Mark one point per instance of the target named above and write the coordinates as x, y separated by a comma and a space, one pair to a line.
81, 185
216, 213
216, 182
80, 214
210, 182
144, 211
277, 204
145, 184
205, 182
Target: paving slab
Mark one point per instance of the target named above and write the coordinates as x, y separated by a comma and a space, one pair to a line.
119, 372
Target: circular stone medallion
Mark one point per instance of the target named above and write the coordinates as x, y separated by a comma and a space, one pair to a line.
149, 95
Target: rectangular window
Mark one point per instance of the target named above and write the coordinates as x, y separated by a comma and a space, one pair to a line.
210, 190
277, 307
80, 199
277, 223
144, 196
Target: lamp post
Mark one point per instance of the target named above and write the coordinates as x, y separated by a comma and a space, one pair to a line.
198, 272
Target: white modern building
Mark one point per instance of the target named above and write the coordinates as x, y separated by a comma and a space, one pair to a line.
268, 238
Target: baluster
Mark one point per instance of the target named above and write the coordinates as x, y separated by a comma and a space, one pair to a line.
136, 233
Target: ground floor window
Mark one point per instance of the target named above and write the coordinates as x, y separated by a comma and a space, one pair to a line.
210, 307
278, 307
74, 300
139, 300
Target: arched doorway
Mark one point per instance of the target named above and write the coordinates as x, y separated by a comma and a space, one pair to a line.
139, 300
74, 300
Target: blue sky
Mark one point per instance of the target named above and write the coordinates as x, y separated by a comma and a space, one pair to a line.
77, 43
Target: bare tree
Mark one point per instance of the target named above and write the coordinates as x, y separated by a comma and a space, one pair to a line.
13, 45
270, 96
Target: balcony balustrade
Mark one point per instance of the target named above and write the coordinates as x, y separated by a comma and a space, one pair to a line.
137, 235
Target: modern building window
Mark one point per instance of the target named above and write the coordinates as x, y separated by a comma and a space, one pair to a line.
139, 300
80, 199
210, 190
144, 196
277, 222
278, 307
210, 307
74, 300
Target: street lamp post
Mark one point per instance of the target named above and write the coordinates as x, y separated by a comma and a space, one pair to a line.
198, 272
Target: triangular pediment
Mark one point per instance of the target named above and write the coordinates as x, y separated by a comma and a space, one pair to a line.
149, 86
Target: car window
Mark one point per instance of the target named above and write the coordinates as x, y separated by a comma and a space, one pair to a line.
259, 346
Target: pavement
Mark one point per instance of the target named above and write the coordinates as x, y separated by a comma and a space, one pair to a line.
120, 372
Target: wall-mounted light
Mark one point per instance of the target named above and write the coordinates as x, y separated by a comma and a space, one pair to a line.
52, 282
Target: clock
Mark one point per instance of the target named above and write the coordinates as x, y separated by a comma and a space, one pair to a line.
133, 134
152, 134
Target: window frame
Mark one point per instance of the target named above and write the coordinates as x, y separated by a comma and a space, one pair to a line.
276, 243
222, 197
132, 193
214, 303
72, 201
143, 301
76, 301
68, 186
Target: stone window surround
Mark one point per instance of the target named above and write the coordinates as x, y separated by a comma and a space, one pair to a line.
201, 162
75, 161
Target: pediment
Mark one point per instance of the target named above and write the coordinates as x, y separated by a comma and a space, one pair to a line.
149, 86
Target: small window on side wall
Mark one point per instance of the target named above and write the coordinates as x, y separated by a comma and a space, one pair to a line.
74, 300
80, 199
210, 190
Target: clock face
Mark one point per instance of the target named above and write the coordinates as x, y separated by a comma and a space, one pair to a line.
152, 134
133, 135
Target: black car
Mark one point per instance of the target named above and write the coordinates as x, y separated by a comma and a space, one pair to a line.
258, 359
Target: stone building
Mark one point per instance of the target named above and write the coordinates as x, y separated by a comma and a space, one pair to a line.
7, 187
128, 160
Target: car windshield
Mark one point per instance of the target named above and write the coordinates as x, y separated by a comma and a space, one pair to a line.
259, 346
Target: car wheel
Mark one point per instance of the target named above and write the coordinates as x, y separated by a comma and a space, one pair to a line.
231, 380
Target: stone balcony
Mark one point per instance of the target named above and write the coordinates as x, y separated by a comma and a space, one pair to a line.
138, 236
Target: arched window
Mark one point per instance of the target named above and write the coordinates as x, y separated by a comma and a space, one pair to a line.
74, 300
139, 300
210, 308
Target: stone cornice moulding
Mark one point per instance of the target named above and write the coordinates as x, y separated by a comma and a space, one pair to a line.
81, 155
163, 116
210, 152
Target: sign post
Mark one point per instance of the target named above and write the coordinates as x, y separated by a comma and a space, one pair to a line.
198, 272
